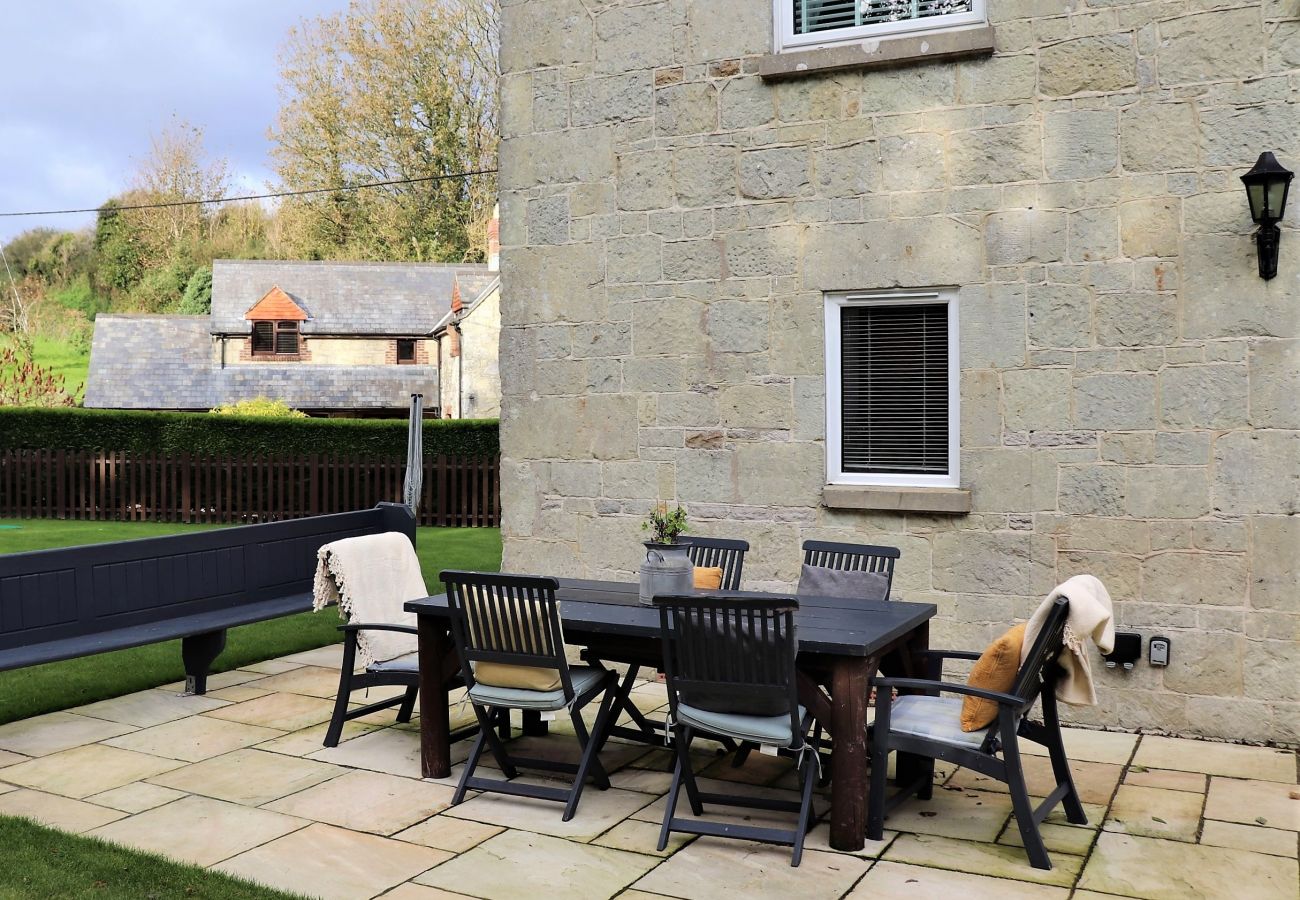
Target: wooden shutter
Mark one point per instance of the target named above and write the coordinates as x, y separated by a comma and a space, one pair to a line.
286, 337
263, 337
827, 15
894, 389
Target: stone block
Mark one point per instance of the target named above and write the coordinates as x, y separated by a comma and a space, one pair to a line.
1212, 46
908, 89
773, 172
1018, 236
1115, 402
1233, 136
762, 406
1092, 490
645, 180
1121, 573
614, 98
1000, 480
707, 476
583, 154
1167, 492
692, 260
704, 176
739, 327
1109, 535
781, 474
1275, 563
1270, 672
848, 171
995, 155
1060, 315
1036, 399
630, 480
762, 252
687, 409
1103, 63
1158, 137
1137, 320
553, 284
1015, 563
548, 220
900, 253
992, 326
1275, 384
912, 162
1150, 227
996, 79
1224, 295
745, 103
669, 326
689, 108
1134, 448
726, 29
1255, 473
1220, 212
981, 413
634, 38
1206, 396
1206, 664
1081, 143
1215, 579
1094, 234
545, 33
600, 426
1182, 448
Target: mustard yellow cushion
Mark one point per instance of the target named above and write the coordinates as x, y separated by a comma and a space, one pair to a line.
708, 578
529, 678
995, 670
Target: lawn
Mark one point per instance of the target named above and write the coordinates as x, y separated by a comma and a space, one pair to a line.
43, 862
40, 689
63, 360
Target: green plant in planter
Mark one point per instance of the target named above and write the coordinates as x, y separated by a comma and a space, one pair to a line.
667, 525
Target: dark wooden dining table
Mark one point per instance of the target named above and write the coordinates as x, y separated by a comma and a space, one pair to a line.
842, 643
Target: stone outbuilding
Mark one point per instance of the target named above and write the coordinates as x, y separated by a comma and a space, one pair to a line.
980, 285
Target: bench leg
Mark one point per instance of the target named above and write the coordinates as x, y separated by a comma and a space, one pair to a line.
198, 651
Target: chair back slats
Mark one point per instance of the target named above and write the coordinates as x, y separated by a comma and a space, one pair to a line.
740, 650
1040, 667
852, 558
512, 619
725, 553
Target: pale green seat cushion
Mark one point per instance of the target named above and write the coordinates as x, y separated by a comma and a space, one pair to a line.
770, 730
938, 718
584, 678
407, 664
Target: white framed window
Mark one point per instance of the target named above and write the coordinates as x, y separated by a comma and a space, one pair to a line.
892, 388
801, 24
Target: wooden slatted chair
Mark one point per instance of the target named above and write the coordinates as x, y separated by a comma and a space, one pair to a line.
730, 667
923, 727
852, 558
727, 554
507, 632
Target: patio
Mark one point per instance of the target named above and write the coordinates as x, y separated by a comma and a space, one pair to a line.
238, 781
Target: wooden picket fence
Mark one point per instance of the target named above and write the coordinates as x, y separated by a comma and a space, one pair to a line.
156, 487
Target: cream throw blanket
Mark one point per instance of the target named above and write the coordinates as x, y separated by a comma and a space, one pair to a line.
1090, 618
370, 577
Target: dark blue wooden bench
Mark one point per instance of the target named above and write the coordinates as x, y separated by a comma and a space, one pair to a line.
77, 601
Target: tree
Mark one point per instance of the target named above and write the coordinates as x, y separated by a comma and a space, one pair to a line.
24, 382
260, 406
197, 299
390, 90
177, 169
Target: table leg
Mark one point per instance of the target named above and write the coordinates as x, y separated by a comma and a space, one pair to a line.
533, 725
850, 678
908, 766
435, 717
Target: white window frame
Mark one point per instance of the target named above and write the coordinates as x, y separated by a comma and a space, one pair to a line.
836, 302
786, 40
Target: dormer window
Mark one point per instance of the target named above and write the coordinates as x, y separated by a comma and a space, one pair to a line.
275, 338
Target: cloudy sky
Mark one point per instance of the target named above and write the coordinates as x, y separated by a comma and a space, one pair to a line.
85, 82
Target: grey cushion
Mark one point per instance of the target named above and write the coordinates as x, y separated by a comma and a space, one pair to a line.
405, 664
819, 581
771, 730
583, 677
938, 718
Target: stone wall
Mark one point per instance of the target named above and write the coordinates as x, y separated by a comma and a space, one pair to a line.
1129, 385
470, 373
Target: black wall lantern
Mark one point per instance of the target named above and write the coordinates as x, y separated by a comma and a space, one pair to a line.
1266, 189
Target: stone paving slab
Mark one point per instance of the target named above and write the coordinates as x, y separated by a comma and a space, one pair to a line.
136, 797
314, 681
87, 770
195, 738
368, 801
1253, 802
55, 811
1231, 760
145, 708
1172, 870
1154, 812
750, 869
287, 712
250, 777
890, 879
1249, 837
43, 735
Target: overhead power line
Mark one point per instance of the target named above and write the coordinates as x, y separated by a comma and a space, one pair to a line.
325, 190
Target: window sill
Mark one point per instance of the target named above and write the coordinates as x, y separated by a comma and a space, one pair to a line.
879, 53
951, 501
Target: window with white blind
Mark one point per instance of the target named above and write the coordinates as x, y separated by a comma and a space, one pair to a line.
801, 24
891, 388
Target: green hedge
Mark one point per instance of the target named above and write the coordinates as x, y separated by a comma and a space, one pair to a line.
144, 432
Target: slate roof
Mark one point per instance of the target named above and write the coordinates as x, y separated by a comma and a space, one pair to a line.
167, 362
488, 285
341, 297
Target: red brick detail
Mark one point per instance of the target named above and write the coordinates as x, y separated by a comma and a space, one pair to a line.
276, 306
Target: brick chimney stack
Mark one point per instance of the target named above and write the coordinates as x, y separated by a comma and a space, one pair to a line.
494, 241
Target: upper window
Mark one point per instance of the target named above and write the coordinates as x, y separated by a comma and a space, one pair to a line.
809, 23
278, 338
405, 350
891, 389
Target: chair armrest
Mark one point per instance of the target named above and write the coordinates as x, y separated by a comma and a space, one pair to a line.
377, 626
922, 684
948, 654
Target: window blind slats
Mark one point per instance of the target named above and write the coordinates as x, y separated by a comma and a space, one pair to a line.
826, 15
894, 389
263, 337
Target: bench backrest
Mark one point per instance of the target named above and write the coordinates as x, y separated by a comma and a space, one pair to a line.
49, 595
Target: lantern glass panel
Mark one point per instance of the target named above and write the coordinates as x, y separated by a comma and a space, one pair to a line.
1277, 197
1255, 194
